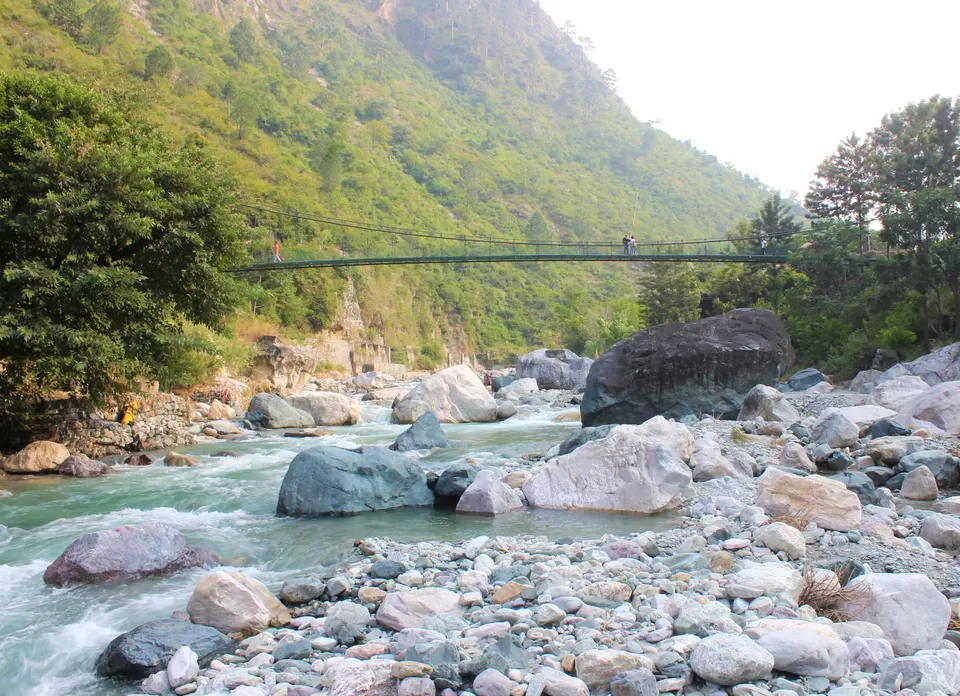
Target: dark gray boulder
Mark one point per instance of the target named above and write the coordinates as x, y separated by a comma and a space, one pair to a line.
82, 466
583, 436
554, 369
861, 484
126, 553
886, 427
387, 569
454, 480
636, 682
425, 433
879, 474
498, 383
149, 647
806, 378
945, 467
706, 366
272, 412
335, 481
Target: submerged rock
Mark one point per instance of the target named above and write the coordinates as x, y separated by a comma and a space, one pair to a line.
425, 434
126, 553
705, 366
554, 369
149, 647
84, 467
272, 412
454, 395
334, 481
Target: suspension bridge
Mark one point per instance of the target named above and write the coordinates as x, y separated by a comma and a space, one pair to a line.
436, 248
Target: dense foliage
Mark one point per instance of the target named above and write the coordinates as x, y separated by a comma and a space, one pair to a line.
464, 118
110, 237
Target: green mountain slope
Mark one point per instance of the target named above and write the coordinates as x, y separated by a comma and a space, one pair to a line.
455, 116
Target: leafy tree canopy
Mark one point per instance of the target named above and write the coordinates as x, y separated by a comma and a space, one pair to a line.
110, 237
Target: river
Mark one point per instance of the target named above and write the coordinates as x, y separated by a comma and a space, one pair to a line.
50, 638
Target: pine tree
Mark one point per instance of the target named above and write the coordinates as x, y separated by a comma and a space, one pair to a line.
243, 41
158, 63
103, 22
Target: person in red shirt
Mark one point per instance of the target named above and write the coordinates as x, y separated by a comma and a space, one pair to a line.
276, 252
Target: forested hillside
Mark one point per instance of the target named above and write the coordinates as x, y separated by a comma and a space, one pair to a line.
455, 116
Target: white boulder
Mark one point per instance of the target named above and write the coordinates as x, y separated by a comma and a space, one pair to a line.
778, 536
728, 660
938, 406
233, 603
455, 395
893, 393
934, 368
327, 408
795, 456
807, 654
40, 457
777, 580
488, 495
622, 472
521, 387
834, 429
865, 414
769, 404
919, 484
411, 609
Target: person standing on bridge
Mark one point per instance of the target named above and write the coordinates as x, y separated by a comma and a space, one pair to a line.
633, 245
763, 247
626, 245
276, 252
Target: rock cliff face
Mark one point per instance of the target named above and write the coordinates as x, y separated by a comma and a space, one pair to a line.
705, 366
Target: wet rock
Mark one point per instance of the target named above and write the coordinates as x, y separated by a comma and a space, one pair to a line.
488, 495
727, 660
554, 369
425, 434
505, 411
84, 467
184, 667
769, 404
583, 436
126, 553
40, 457
303, 589
149, 647
826, 502
400, 610
178, 460
140, 460
661, 370
334, 481
272, 412
234, 603
454, 395
907, 606
387, 569
327, 408
620, 472
454, 480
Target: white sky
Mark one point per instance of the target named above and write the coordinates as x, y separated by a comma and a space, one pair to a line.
773, 85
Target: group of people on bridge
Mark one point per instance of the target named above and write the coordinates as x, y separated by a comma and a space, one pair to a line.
629, 245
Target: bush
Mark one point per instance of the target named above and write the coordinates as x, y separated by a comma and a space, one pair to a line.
431, 354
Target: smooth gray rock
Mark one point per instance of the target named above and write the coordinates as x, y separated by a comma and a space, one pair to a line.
272, 412
945, 467
488, 495
126, 553
300, 590
807, 653
635, 682
83, 467
425, 434
334, 481
454, 480
727, 659
583, 436
554, 369
805, 378
861, 484
149, 647
886, 427
705, 366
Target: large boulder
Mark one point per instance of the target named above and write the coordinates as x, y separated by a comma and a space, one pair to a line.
824, 501
942, 531
82, 466
272, 412
709, 463
124, 554
807, 653
334, 481
583, 436
327, 408
945, 467
554, 369
454, 480
454, 395
894, 392
919, 484
412, 609
805, 378
907, 606
624, 472
705, 366
233, 603
521, 387
425, 434
767, 403
939, 406
934, 368
148, 648
488, 495
40, 457
834, 429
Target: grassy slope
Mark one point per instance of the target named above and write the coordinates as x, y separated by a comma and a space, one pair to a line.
463, 117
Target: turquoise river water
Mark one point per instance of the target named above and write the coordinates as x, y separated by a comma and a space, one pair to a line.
50, 638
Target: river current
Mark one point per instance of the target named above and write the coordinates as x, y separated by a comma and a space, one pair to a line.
50, 638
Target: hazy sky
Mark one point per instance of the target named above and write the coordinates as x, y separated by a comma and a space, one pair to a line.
771, 86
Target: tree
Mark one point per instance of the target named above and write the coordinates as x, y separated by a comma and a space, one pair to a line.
330, 167
103, 22
158, 63
669, 293
63, 14
775, 222
844, 190
243, 41
110, 237
537, 229
244, 112
609, 77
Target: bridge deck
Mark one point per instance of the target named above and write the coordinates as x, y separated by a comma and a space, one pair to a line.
514, 258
